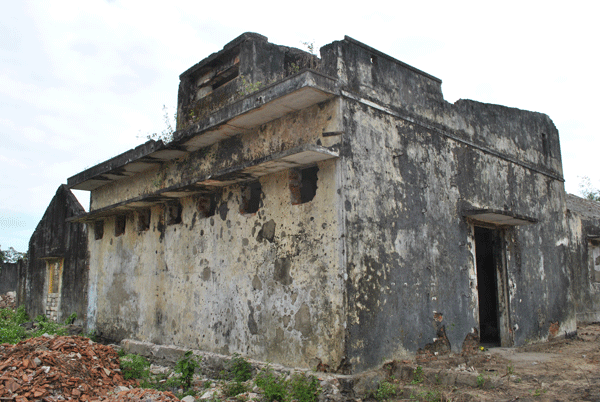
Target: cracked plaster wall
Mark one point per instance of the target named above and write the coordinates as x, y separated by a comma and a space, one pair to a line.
584, 229
267, 285
411, 168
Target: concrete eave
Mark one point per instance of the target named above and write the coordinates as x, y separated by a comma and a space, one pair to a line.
301, 156
291, 94
497, 217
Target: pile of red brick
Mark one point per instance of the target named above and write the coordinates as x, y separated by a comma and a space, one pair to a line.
138, 395
49, 369
7, 300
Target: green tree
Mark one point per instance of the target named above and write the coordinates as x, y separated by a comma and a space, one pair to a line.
11, 255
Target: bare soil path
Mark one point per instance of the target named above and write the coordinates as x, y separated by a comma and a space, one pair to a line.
562, 370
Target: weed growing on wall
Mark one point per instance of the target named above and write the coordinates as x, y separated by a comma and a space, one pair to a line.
247, 87
166, 135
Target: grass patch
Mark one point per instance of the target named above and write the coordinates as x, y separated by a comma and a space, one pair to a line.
134, 366
305, 388
179, 382
385, 390
12, 331
10, 325
417, 376
274, 387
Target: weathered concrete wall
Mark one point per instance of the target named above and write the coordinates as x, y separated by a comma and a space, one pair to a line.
303, 127
9, 277
407, 182
268, 285
56, 238
246, 64
584, 246
379, 262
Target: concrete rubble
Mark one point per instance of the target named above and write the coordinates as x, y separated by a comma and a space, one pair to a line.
8, 300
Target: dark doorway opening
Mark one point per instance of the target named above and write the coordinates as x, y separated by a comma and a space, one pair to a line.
489, 261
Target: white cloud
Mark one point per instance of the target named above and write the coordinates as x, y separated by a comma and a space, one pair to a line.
80, 80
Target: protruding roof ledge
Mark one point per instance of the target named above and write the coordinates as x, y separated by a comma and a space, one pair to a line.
498, 217
294, 93
301, 156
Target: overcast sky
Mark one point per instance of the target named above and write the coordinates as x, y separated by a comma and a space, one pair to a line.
82, 81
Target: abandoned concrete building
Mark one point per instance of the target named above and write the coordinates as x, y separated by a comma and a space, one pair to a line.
333, 210
54, 280
584, 243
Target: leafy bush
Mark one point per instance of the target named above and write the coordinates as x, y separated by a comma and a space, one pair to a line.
234, 388
47, 327
134, 366
71, 319
187, 366
305, 388
385, 390
274, 386
237, 369
10, 329
417, 375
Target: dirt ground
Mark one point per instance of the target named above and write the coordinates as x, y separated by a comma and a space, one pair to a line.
74, 368
561, 370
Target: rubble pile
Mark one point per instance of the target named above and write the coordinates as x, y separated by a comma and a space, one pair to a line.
7, 300
50, 369
142, 395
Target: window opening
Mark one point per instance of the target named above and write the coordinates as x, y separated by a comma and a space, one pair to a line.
99, 229
174, 213
206, 205
144, 216
120, 221
488, 260
545, 145
251, 198
303, 184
